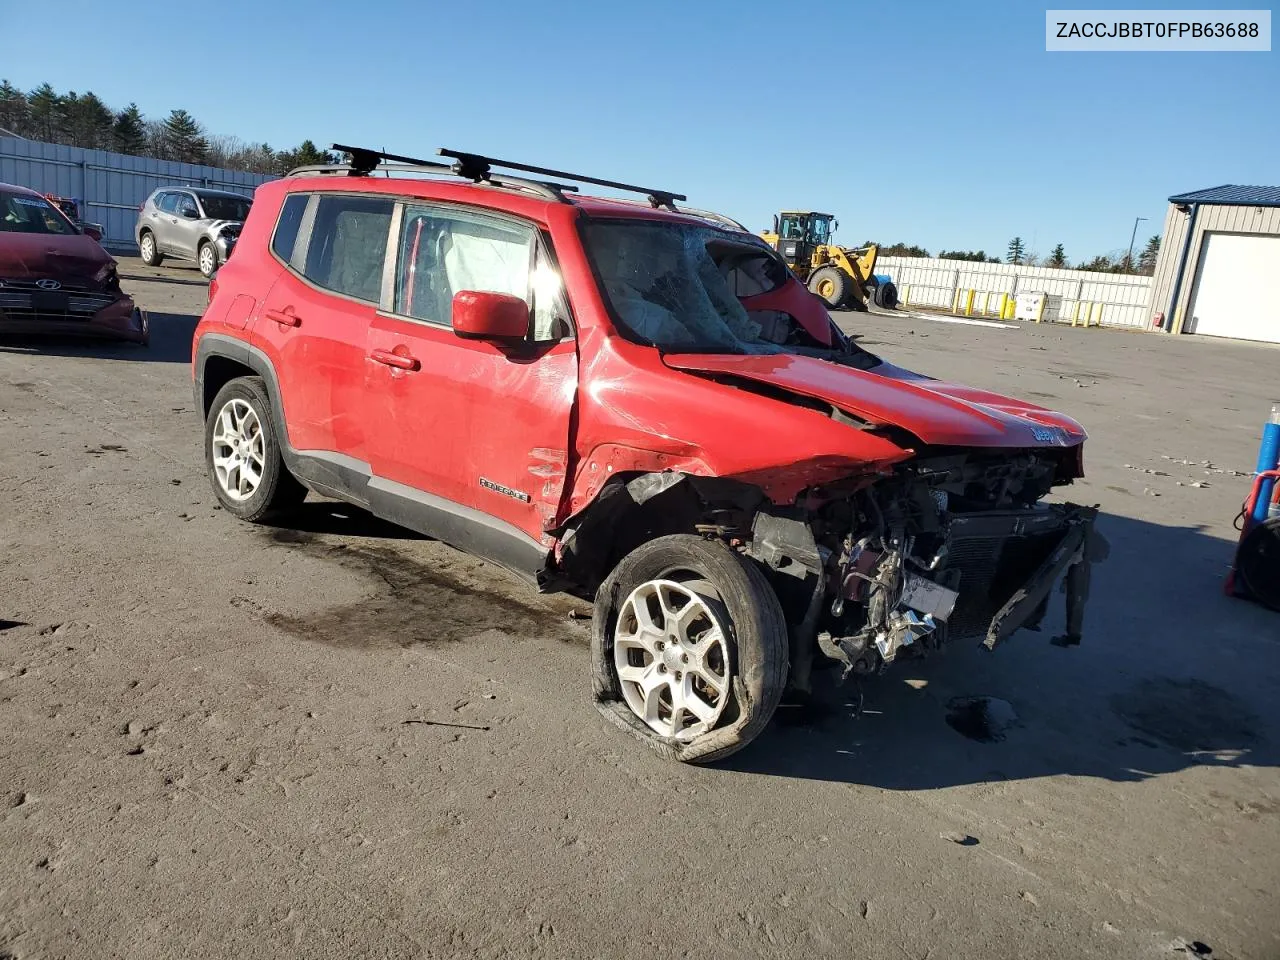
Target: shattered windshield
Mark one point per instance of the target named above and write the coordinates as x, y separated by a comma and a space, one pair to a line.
677, 287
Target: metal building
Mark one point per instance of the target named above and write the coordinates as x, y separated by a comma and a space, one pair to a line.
1218, 273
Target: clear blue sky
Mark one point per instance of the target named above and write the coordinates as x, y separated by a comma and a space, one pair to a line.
944, 124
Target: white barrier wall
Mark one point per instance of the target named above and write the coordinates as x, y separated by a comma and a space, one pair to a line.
1113, 299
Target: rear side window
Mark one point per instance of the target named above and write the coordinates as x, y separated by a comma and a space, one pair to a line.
348, 245
285, 239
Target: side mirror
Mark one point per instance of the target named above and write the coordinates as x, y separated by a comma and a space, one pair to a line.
92, 230
191, 213
479, 315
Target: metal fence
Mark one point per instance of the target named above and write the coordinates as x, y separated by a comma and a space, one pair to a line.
109, 186
1113, 299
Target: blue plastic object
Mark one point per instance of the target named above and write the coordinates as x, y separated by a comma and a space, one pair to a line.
1268, 458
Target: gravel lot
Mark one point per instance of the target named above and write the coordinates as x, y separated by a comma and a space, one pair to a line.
337, 739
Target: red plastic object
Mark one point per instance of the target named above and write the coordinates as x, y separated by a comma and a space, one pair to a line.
1230, 587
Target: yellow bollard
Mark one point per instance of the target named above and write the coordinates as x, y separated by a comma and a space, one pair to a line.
1075, 314
906, 295
1004, 301
955, 303
1096, 317
968, 304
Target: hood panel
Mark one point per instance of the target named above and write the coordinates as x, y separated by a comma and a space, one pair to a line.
938, 413
42, 255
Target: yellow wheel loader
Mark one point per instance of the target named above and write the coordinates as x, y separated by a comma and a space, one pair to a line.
842, 277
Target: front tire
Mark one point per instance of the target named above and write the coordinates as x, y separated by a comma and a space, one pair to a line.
207, 259
688, 648
242, 453
148, 250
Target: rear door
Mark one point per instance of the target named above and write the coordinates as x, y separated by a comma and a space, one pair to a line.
165, 221
470, 436
315, 321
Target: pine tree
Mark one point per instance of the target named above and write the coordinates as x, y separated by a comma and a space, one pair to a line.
1150, 253
14, 114
129, 131
1017, 250
303, 155
1057, 257
44, 104
184, 140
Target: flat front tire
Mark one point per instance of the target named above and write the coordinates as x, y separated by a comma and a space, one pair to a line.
688, 648
242, 453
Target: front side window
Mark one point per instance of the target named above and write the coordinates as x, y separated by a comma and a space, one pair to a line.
443, 252
22, 213
348, 245
168, 202
187, 206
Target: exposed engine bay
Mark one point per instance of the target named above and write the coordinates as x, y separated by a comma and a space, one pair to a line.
953, 546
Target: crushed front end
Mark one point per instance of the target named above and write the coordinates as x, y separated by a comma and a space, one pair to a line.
953, 545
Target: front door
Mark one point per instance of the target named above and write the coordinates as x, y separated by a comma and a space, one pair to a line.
471, 436
187, 226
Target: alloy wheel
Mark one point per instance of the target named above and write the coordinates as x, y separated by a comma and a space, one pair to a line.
672, 659
239, 449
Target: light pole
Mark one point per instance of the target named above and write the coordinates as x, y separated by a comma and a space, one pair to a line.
1128, 260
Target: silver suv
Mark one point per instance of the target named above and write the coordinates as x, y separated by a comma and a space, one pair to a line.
190, 223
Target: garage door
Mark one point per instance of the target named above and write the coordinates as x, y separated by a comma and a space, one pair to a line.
1237, 293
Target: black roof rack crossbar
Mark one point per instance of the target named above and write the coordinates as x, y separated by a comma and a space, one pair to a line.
476, 167
364, 161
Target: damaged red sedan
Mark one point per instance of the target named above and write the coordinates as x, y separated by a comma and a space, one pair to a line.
636, 403
57, 279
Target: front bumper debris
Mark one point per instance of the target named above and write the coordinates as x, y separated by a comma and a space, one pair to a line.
1079, 549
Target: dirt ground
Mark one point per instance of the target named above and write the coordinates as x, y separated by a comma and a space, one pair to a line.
336, 739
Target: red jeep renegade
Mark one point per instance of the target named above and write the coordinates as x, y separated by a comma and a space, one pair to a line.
632, 401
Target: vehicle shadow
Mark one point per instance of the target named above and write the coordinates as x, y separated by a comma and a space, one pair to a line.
336, 518
171, 336
1171, 674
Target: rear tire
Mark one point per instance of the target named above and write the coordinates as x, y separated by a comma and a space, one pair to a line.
242, 453
721, 624
831, 285
207, 259
148, 250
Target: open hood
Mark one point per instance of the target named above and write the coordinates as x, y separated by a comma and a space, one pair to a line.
70, 256
938, 413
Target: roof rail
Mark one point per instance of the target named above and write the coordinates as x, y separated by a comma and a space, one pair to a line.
476, 167
712, 215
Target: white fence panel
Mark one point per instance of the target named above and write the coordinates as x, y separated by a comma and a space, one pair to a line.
1113, 299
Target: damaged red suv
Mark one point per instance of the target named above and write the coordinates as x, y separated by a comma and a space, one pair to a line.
635, 402
55, 278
